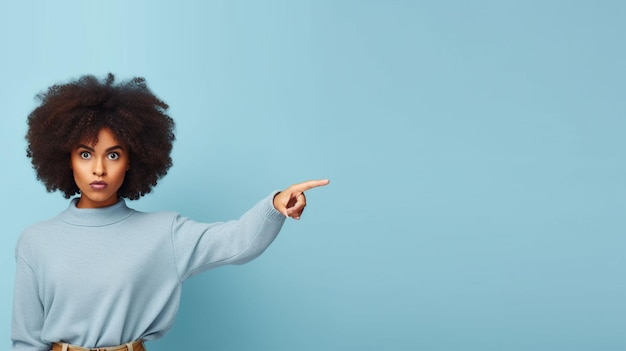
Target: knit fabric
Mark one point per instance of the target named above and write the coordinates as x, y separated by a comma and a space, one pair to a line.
107, 276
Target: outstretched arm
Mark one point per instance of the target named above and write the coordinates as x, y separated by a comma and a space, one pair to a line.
291, 201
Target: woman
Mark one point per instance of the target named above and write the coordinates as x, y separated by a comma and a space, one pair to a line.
101, 275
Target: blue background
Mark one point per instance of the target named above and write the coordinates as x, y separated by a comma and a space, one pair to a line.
476, 152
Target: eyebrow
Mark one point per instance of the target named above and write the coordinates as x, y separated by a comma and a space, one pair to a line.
115, 147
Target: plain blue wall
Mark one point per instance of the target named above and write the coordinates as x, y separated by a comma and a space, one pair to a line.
476, 152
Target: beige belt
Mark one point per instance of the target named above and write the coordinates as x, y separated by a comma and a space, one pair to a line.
131, 346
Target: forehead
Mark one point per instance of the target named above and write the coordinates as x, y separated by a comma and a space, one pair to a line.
105, 137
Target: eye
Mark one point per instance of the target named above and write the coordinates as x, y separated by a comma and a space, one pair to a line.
114, 156
85, 155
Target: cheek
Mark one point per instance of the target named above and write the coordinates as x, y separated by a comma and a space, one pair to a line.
72, 163
78, 170
120, 172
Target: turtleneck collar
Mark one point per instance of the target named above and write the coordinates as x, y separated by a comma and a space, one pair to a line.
95, 217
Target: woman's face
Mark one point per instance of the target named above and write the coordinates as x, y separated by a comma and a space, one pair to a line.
99, 170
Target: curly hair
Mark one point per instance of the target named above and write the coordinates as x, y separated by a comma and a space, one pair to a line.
75, 112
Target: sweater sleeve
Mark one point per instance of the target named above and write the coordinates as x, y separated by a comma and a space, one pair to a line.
28, 313
201, 246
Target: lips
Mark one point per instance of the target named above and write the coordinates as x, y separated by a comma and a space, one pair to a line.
98, 185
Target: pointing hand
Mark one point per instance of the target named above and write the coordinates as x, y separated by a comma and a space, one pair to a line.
291, 201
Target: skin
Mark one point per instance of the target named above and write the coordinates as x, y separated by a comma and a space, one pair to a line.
291, 201
108, 161
105, 161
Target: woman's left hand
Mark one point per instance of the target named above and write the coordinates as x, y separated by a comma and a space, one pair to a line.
291, 201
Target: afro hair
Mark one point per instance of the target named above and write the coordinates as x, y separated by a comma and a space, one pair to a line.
76, 111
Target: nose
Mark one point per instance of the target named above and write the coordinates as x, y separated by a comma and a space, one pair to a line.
99, 169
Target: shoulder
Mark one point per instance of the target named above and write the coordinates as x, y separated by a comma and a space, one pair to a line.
37, 229
151, 224
33, 236
154, 217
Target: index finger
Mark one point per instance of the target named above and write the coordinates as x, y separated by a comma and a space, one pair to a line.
310, 184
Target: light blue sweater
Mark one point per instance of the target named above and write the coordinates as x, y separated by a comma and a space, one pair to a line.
103, 277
